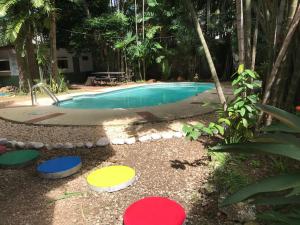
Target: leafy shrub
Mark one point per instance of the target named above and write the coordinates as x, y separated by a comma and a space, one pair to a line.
280, 139
58, 85
238, 121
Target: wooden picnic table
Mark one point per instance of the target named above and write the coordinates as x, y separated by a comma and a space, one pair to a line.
108, 76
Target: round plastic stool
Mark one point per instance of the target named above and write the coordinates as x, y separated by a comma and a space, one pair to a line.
2, 149
111, 178
19, 158
154, 211
59, 167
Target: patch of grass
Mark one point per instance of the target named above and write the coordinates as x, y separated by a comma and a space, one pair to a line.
66, 195
230, 180
229, 175
279, 164
255, 163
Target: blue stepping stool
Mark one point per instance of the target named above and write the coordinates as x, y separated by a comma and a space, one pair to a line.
59, 167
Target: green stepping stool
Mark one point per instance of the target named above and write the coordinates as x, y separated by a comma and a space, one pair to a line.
20, 158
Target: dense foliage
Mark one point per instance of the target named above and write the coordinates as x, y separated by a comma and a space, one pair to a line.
280, 139
237, 122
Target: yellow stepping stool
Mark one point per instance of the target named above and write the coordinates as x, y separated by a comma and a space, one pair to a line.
111, 178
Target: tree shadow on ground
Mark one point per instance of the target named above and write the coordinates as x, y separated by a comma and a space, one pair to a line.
182, 164
205, 205
228, 174
25, 198
138, 129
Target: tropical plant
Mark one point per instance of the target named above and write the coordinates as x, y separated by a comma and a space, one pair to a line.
22, 21
148, 49
59, 84
237, 122
283, 190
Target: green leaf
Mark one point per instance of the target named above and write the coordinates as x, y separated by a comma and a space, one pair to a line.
278, 200
272, 184
238, 91
186, 129
242, 112
250, 86
157, 45
245, 122
159, 59
279, 127
280, 138
289, 119
237, 80
152, 3
249, 108
294, 192
224, 120
199, 126
207, 130
241, 68
195, 134
220, 129
252, 98
292, 218
251, 74
287, 150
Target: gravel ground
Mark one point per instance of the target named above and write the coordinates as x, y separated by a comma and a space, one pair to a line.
174, 168
76, 134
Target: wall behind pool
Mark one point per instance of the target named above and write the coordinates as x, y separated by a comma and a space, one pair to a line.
9, 81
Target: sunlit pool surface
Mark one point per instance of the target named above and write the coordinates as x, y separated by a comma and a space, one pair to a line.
143, 96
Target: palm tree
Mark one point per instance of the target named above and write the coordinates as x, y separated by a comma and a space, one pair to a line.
19, 30
207, 53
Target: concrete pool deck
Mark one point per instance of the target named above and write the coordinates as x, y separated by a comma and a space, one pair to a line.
47, 114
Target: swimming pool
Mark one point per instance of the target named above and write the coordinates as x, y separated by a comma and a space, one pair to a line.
142, 96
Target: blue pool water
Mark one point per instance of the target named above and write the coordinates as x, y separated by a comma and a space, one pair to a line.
143, 96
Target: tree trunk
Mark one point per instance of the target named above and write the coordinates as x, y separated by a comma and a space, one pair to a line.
86, 9
144, 61
248, 23
22, 71
254, 43
137, 36
293, 87
208, 14
240, 31
294, 83
292, 11
279, 32
280, 57
143, 19
53, 51
32, 66
279, 91
207, 53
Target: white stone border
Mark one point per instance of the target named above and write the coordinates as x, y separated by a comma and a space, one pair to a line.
102, 142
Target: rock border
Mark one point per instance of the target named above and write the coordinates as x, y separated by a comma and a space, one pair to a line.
102, 141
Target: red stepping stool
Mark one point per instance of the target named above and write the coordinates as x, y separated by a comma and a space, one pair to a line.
154, 211
2, 149
298, 110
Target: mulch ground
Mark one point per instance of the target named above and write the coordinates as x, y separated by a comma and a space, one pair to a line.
175, 168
